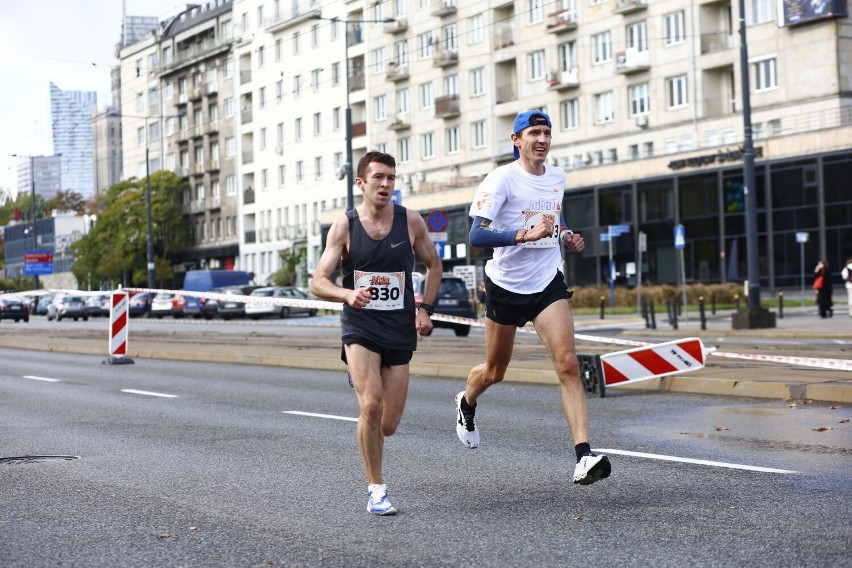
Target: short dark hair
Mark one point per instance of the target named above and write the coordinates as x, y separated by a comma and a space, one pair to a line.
371, 157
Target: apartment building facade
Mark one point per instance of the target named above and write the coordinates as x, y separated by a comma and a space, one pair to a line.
176, 95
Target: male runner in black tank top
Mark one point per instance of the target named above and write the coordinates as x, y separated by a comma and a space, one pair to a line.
377, 243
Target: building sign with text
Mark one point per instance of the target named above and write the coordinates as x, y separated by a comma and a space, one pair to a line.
717, 158
798, 12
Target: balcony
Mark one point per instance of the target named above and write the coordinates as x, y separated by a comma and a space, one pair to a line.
212, 88
246, 116
248, 157
198, 168
506, 93
245, 77
503, 37
250, 237
562, 22
182, 171
447, 106
632, 61
183, 98
629, 6
441, 8
399, 124
211, 165
397, 26
196, 206
717, 41
356, 82
248, 196
396, 72
445, 58
213, 126
359, 129
197, 131
564, 80
195, 93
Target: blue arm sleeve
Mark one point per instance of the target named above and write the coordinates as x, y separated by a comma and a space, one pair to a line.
483, 235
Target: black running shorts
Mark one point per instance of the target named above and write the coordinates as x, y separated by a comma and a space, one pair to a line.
509, 308
390, 357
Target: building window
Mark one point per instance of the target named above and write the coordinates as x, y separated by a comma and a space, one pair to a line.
403, 102
278, 50
279, 131
295, 43
603, 107
570, 114
264, 179
315, 36
568, 56
282, 175
318, 167
298, 129
476, 29
640, 99
335, 74
453, 142
335, 119
451, 85
427, 99
297, 86
230, 106
378, 61
316, 79
279, 91
380, 105
477, 82
637, 36
424, 45
317, 123
535, 11
299, 171
215, 191
759, 11
674, 28
602, 47
427, 143
401, 52
536, 65
765, 76
261, 96
261, 57
263, 138
677, 94
404, 150
479, 132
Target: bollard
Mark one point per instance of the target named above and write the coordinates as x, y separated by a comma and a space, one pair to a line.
780, 305
645, 314
737, 300
701, 312
603, 304
675, 303
653, 316
713, 303
669, 311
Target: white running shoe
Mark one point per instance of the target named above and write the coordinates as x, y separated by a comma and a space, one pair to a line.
378, 502
466, 430
591, 468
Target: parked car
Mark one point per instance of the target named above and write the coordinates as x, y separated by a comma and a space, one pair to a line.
67, 306
43, 302
259, 310
453, 299
205, 281
168, 304
228, 309
14, 308
98, 305
139, 304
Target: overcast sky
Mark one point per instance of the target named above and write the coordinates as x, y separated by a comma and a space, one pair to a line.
68, 42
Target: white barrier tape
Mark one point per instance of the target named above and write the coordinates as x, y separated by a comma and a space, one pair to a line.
835, 364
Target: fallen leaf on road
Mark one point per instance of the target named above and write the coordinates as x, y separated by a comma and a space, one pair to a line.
166, 535
806, 401
792, 405
844, 421
193, 528
578, 518
834, 407
822, 428
720, 429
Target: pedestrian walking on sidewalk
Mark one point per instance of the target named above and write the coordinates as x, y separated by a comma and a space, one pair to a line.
823, 288
375, 245
517, 211
846, 273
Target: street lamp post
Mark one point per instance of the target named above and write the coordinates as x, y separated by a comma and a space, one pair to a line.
150, 249
350, 172
35, 228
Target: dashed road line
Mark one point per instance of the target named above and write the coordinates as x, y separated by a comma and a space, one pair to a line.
45, 379
149, 393
314, 415
694, 461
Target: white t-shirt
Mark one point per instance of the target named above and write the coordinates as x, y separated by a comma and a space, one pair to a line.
513, 199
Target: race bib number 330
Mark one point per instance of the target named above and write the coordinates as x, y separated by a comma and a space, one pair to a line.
386, 289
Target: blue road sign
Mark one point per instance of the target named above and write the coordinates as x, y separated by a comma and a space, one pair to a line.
437, 221
604, 237
617, 230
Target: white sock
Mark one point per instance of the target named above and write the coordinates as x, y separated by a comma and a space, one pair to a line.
377, 487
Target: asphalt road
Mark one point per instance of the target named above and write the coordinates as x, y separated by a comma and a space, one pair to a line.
220, 474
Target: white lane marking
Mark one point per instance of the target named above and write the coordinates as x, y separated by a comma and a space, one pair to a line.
331, 416
698, 462
148, 393
34, 378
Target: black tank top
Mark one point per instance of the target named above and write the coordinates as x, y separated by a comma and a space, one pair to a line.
387, 266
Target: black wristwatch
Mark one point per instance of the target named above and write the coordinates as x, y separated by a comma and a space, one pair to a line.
428, 307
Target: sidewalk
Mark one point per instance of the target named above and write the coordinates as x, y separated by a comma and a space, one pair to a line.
799, 333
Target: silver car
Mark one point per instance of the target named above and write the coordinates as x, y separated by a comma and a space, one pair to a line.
67, 306
259, 310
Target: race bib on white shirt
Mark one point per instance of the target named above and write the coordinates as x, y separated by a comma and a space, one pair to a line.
386, 289
532, 218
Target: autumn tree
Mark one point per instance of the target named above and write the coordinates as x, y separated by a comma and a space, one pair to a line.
115, 249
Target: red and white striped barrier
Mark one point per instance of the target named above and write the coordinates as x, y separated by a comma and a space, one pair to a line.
118, 328
652, 361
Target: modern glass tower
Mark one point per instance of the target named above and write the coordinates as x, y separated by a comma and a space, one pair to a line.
71, 114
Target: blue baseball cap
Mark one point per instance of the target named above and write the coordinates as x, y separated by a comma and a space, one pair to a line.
525, 120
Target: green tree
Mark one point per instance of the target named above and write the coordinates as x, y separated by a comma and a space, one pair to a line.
287, 274
66, 201
115, 249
